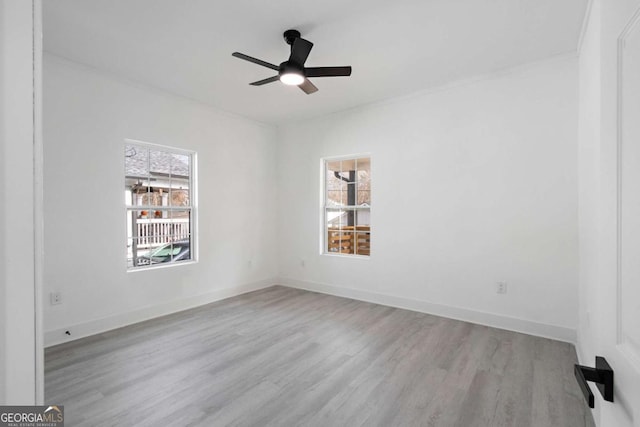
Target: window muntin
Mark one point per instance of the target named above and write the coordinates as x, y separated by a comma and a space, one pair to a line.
347, 206
159, 209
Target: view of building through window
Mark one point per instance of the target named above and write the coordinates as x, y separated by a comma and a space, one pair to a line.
158, 196
347, 205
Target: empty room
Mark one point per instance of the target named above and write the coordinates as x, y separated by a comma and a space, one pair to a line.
297, 213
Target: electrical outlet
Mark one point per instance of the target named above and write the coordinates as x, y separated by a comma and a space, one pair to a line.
303, 262
56, 298
250, 263
501, 287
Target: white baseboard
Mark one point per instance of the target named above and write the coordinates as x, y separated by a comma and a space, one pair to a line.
97, 326
559, 333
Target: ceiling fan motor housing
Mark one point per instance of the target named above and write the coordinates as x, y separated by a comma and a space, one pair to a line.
291, 35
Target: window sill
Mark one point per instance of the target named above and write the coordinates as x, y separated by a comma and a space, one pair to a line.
161, 266
367, 257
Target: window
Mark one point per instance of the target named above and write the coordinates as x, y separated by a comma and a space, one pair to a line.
347, 205
159, 199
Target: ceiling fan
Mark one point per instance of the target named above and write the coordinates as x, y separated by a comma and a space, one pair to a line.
293, 72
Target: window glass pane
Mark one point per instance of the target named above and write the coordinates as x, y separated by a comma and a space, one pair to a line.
363, 164
339, 240
336, 218
179, 195
159, 163
345, 242
139, 195
136, 163
336, 198
158, 240
347, 166
349, 219
138, 235
179, 185
143, 214
364, 196
336, 187
351, 194
181, 250
158, 214
153, 233
180, 224
362, 243
139, 255
153, 197
180, 167
130, 248
363, 218
169, 252
164, 251
337, 179
364, 181
344, 219
333, 166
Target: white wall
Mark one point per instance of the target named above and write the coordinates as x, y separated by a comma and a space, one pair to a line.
472, 184
17, 290
87, 117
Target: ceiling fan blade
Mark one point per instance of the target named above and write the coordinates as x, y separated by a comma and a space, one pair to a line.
308, 87
265, 81
300, 51
255, 60
327, 71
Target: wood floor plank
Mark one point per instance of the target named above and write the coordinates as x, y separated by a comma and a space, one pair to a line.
288, 357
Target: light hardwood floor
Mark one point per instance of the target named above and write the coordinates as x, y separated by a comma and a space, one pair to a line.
286, 357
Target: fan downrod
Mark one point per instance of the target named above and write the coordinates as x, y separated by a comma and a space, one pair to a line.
290, 36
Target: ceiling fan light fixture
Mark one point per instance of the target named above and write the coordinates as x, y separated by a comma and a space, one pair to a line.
292, 79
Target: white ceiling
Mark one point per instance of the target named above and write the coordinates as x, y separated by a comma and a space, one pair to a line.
395, 47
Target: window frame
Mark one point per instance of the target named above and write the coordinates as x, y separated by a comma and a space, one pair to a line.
324, 207
192, 207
